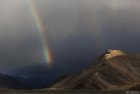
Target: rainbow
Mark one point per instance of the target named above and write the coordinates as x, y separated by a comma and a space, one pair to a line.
41, 31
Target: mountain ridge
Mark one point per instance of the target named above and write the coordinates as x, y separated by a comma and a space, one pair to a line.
10, 82
114, 70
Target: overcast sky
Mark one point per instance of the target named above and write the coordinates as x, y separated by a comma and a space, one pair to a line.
77, 31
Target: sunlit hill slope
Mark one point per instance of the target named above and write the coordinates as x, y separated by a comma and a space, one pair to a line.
114, 70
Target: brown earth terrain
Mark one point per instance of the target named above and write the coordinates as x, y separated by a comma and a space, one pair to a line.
113, 71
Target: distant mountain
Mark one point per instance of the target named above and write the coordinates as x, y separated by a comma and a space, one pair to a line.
114, 70
24, 81
36, 82
7, 81
38, 76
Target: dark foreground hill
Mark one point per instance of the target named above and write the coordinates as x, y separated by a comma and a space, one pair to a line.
114, 70
7, 81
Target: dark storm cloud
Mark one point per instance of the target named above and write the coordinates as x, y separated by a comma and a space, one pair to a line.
77, 31
110, 24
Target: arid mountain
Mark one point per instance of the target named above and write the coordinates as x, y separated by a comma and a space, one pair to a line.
114, 70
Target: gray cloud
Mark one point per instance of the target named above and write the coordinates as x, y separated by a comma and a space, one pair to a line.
76, 30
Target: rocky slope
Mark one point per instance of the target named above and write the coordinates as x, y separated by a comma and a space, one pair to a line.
114, 70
